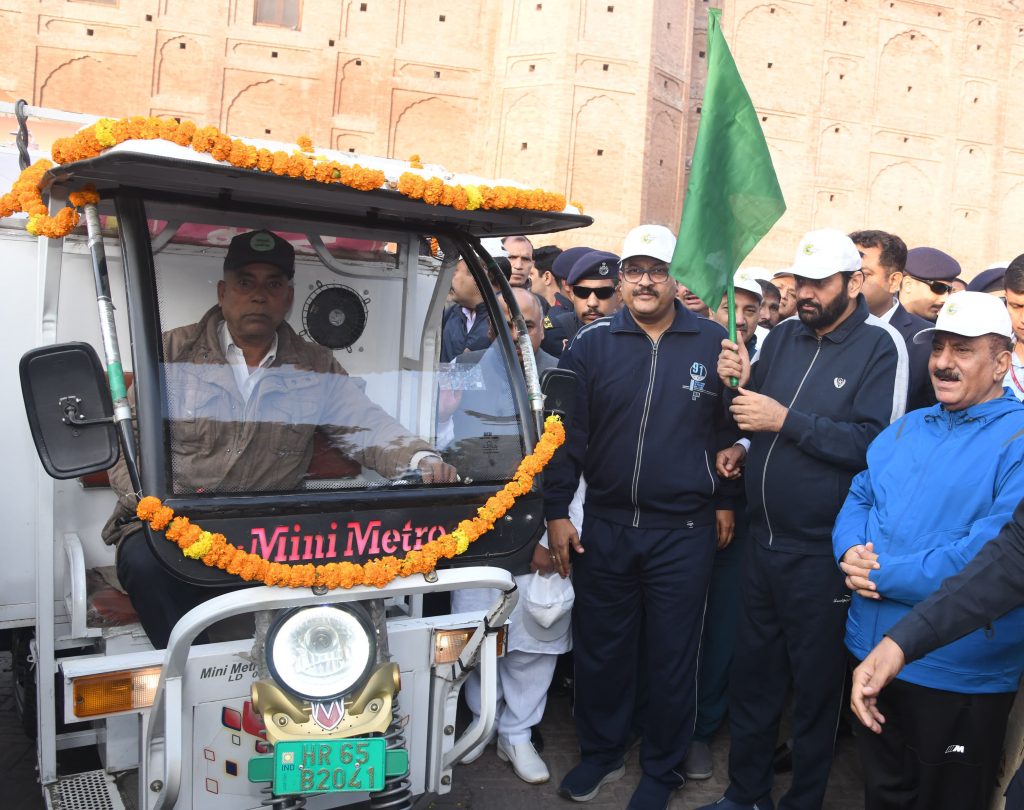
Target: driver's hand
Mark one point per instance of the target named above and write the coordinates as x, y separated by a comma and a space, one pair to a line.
435, 471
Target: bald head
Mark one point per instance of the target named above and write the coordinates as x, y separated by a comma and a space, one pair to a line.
533, 314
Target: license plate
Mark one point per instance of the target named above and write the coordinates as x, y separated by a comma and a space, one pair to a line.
329, 766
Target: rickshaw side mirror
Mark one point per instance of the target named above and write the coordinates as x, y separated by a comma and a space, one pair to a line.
69, 409
559, 388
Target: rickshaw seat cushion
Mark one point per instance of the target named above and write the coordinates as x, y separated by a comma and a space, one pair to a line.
106, 604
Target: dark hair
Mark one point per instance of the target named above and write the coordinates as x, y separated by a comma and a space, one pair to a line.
544, 257
502, 264
893, 254
1014, 278
999, 344
769, 290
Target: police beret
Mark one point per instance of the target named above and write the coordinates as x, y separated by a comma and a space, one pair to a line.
566, 259
931, 264
990, 280
598, 264
260, 247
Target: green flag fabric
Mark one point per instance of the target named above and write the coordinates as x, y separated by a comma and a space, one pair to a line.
733, 197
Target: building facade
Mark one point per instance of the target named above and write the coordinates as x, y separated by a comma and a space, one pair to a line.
890, 114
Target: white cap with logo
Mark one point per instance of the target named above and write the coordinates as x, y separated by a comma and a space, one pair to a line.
655, 241
824, 253
970, 314
745, 280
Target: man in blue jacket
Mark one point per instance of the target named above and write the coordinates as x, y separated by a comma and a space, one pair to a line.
648, 420
823, 386
939, 484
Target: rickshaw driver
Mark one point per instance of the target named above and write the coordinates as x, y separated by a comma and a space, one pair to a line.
243, 357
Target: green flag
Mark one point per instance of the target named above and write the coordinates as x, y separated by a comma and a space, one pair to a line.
733, 197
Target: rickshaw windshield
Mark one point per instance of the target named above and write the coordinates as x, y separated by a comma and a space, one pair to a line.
331, 378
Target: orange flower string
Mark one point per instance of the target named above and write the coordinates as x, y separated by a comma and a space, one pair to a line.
25, 195
215, 550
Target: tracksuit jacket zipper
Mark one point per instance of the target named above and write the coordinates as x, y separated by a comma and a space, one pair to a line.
768, 455
643, 429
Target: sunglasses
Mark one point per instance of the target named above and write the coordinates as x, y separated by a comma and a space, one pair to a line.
657, 275
937, 287
602, 293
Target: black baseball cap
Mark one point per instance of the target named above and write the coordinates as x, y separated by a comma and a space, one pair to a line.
260, 247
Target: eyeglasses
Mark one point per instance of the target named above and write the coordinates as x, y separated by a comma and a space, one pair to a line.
602, 293
937, 287
657, 275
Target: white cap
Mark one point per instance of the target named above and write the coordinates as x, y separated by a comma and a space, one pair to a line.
492, 244
970, 314
655, 241
824, 253
744, 280
547, 606
758, 273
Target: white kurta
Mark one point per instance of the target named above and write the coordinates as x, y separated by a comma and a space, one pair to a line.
525, 672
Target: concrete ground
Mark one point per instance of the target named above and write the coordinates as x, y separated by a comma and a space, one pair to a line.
487, 784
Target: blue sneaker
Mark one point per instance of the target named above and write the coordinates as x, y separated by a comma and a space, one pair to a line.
728, 804
585, 781
651, 794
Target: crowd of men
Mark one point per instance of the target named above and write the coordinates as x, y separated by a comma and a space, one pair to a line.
742, 521
759, 514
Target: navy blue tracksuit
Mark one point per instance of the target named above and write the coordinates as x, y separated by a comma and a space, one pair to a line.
841, 389
649, 419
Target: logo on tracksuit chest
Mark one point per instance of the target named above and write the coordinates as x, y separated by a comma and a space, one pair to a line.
698, 373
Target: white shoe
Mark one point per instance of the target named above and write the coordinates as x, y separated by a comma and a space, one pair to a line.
525, 760
477, 751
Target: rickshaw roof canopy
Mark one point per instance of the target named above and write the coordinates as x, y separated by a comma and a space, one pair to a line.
156, 168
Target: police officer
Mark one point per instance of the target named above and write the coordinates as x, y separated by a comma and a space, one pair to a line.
594, 281
928, 281
649, 417
554, 336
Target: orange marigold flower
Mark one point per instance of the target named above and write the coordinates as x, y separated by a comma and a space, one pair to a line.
280, 164
305, 143
411, 185
433, 191
161, 518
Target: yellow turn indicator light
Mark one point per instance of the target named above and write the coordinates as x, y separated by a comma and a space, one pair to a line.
113, 692
449, 644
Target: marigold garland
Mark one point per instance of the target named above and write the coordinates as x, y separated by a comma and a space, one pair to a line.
25, 195
215, 550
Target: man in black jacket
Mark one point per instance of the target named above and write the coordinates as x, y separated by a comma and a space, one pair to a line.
823, 386
883, 259
648, 420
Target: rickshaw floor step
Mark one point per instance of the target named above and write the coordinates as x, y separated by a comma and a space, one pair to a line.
88, 790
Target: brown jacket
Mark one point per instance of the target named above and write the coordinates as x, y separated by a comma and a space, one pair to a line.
221, 443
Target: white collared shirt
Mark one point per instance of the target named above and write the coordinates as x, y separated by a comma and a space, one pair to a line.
887, 317
245, 377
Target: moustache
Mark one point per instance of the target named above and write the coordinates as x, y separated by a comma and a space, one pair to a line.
946, 375
645, 291
807, 302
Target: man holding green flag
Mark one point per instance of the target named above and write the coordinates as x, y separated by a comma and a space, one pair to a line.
733, 197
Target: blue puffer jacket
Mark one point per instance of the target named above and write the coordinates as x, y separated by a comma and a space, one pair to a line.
939, 485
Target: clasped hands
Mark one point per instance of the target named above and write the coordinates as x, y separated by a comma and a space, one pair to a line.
858, 562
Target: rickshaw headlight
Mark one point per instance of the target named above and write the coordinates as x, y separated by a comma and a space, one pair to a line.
321, 653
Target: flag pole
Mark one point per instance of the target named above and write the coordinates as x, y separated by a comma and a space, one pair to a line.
730, 293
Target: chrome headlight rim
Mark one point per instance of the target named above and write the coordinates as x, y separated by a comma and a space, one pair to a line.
354, 611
